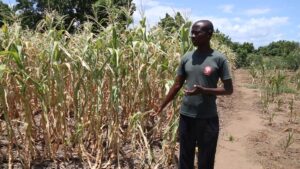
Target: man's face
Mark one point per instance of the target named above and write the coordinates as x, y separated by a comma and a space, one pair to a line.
199, 35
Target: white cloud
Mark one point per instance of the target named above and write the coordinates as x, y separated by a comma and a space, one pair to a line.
145, 3
237, 19
226, 8
10, 3
268, 22
257, 11
154, 11
257, 30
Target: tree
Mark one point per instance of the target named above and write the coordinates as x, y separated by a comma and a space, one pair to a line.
282, 54
243, 51
28, 13
179, 20
293, 60
222, 38
5, 13
171, 24
77, 11
280, 48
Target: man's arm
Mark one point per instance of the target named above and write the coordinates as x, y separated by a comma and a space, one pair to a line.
179, 81
226, 89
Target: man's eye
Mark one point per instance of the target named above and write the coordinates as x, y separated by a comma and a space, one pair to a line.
196, 32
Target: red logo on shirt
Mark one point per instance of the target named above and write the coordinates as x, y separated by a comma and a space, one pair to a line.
207, 70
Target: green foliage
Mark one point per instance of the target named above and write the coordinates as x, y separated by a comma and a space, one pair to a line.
296, 79
293, 60
76, 11
30, 15
5, 13
281, 54
277, 55
172, 24
222, 38
280, 48
243, 51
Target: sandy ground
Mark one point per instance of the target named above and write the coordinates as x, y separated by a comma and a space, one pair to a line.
238, 122
247, 139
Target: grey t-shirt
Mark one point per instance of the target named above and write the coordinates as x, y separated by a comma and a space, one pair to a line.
203, 69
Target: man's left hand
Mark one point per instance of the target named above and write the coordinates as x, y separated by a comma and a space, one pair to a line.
196, 90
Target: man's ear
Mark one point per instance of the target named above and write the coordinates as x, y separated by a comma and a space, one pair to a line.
209, 35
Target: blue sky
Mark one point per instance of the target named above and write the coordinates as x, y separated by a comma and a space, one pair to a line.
257, 21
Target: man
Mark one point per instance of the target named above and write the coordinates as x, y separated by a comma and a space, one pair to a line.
200, 70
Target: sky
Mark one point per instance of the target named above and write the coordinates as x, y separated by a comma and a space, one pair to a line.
256, 21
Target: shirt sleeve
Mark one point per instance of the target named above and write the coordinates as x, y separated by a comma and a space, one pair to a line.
181, 68
224, 70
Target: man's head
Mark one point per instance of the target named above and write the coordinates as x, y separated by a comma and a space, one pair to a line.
201, 32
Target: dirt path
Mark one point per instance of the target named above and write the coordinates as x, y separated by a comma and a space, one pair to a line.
241, 120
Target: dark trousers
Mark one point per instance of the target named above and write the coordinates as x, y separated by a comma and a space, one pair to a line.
202, 133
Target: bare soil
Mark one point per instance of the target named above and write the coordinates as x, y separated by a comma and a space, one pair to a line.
249, 139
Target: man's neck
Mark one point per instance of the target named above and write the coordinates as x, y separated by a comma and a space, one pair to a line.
204, 48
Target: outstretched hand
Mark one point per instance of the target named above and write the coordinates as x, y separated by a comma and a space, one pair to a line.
158, 111
197, 89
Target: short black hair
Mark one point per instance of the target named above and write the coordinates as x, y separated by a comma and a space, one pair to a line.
209, 27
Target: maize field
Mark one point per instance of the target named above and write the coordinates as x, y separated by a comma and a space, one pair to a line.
88, 96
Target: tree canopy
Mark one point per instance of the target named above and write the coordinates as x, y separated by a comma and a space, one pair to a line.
5, 12
280, 48
171, 24
32, 11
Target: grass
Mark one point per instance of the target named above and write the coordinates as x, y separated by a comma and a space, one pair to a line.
252, 86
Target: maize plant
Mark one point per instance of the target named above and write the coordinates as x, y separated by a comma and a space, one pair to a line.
89, 95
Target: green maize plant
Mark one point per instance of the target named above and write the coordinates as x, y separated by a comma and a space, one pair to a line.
89, 95
296, 80
277, 82
289, 140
